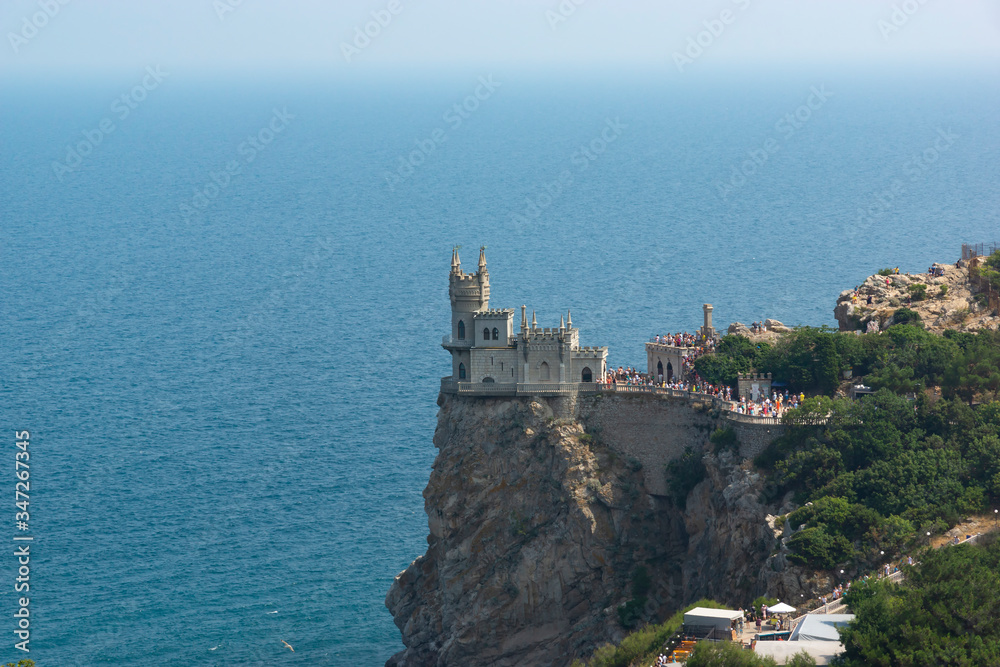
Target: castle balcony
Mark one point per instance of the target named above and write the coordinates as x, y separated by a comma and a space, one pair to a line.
452, 343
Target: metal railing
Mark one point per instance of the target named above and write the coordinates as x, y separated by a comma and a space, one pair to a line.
970, 250
751, 419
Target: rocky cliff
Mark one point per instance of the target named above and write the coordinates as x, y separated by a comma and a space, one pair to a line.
537, 527
948, 302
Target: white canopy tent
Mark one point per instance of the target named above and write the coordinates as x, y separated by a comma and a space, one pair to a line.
780, 608
721, 619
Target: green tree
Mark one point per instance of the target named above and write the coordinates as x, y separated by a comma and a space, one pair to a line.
945, 612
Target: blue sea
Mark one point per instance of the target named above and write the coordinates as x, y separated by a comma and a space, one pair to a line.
221, 323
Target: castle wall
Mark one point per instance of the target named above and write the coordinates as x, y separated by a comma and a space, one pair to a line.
544, 350
495, 363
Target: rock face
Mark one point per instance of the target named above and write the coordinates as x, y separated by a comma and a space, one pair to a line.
536, 528
949, 303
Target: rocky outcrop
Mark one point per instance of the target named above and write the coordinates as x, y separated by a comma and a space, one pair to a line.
739, 329
537, 526
949, 302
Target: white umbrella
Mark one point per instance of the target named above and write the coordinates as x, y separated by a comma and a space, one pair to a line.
780, 608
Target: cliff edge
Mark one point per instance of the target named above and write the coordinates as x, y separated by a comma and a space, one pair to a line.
538, 528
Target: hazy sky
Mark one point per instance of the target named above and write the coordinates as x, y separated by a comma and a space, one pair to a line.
309, 34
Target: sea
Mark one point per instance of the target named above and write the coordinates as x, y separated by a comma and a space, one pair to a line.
222, 299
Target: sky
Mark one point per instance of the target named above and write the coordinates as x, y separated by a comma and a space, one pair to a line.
258, 36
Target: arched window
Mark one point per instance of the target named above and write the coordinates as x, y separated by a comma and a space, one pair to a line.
659, 369
587, 376
461, 330
461, 371
496, 334
486, 334
543, 371
670, 371
488, 380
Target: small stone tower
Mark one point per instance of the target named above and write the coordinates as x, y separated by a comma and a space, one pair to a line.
708, 331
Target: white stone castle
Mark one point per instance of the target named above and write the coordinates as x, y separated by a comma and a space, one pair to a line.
486, 351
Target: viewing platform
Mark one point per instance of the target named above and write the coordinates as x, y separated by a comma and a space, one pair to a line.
487, 389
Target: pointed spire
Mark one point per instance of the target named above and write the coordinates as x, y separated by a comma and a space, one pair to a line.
482, 257
524, 318
562, 323
569, 319
534, 322
456, 263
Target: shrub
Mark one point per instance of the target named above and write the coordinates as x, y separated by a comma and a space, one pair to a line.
886, 272
630, 613
724, 438
990, 270
918, 291
907, 316
944, 291
727, 654
685, 473
816, 548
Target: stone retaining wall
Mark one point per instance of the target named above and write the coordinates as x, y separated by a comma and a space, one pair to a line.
653, 429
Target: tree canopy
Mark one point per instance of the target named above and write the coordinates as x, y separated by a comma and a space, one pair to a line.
945, 612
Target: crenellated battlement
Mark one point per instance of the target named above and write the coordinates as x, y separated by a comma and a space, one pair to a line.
753, 376
496, 312
465, 278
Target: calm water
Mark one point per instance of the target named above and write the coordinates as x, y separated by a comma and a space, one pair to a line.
232, 412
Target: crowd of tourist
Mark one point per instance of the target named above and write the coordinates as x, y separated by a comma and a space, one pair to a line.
774, 405
627, 376
771, 405
681, 340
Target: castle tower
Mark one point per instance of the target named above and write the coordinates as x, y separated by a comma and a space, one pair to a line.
469, 295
